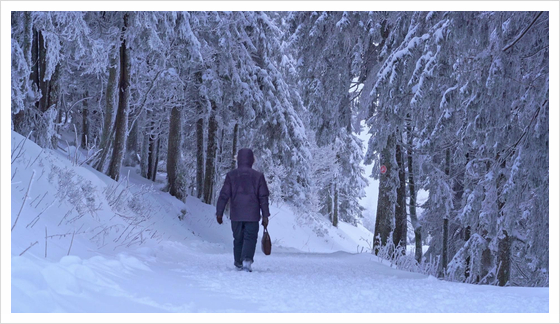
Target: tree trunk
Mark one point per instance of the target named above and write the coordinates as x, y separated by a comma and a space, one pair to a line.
131, 145
210, 155
152, 139
28, 37
174, 153
335, 206
39, 51
444, 247
329, 202
468, 259
445, 242
199, 143
504, 259
144, 154
156, 162
121, 121
412, 193
504, 240
234, 146
107, 133
85, 125
400, 233
385, 206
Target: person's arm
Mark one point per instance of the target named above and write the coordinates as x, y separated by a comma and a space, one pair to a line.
263, 197
225, 194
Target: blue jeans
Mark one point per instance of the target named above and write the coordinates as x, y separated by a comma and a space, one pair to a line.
245, 236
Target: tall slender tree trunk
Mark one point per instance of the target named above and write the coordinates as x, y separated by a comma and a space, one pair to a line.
504, 258
445, 242
210, 155
131, 144
468, 259
39, 51
85, 124
234, 146
152, 152
156, 162
400, 232
27, 37
121, 121
199, 142
412, 194
174, 153
335, 205
145, 146
53, 102
329, 201
385, 205
504, 240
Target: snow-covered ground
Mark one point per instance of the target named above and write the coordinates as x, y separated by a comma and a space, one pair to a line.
83, 243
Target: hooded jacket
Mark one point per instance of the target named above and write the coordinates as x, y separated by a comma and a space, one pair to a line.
247, 190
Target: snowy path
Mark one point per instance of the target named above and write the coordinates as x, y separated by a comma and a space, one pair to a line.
175, 278
186, 265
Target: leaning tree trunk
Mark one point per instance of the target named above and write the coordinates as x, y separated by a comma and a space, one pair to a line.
121, 122
412, 193
210, 155
385, 204
173, 153
400, 232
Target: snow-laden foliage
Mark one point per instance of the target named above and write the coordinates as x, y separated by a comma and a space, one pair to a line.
474, 88
456, 103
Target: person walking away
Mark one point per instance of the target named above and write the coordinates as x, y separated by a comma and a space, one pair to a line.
248, 192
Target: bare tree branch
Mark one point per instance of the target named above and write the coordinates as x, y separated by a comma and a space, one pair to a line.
522, 33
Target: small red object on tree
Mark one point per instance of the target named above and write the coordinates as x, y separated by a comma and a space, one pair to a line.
383, 169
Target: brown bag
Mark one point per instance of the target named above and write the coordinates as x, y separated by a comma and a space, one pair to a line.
266, 243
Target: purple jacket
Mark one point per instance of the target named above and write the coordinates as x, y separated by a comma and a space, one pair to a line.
247, 190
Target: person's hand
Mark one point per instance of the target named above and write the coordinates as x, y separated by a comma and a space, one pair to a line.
264, 221
219, 219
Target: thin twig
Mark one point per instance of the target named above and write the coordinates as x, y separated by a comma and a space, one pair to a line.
22, 142
46, 192
35, 159
72, 241
15, 171
75, 103
36, 219
46, 237
32, 245
24, 199
91, 157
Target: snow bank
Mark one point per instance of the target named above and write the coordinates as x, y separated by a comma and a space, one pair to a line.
84, 243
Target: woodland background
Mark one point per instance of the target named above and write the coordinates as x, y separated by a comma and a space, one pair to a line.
456, 102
